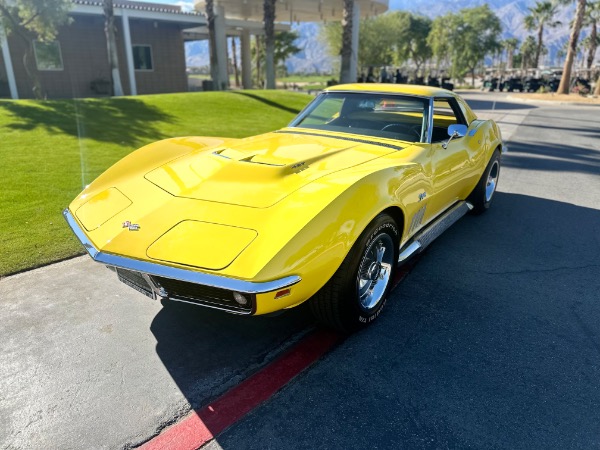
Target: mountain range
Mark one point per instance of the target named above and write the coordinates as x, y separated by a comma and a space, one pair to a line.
315, 58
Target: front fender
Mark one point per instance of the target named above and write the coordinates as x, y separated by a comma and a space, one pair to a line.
317, 250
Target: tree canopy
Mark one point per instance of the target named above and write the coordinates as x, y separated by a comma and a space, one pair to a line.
465, 38
387, 39
34, 20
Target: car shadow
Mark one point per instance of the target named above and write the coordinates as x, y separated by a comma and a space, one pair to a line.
208, 351
496, 324
492, 341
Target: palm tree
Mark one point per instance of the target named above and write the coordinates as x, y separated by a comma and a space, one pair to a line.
591, 20
527, 50
111, 47
510, 45
346, 50
269, 22
540, 17
212, 44
594, 18
565, 81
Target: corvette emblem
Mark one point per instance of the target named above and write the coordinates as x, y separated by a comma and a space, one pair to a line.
131, 226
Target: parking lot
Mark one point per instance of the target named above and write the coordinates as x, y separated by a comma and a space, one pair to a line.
491, 341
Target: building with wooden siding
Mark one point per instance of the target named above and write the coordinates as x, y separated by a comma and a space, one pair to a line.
150, 41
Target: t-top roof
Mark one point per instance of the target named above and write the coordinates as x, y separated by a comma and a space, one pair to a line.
296, 10
410, 89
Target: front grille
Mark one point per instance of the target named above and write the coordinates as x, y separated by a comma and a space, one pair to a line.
136, 281
204, 295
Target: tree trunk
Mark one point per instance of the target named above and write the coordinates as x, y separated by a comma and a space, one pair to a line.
346, 51
212, 44
269, 23
258, 57
111, 47
565, 81
32, 73
597, 88
593, 45
538, 49
235, 63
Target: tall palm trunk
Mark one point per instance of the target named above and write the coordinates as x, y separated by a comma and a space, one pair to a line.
258, 46
111, 47
540, 44
593, 45
212, 43
235, 63
269, 22
565, 81
346, 51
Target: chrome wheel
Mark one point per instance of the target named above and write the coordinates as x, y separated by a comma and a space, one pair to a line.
374, 271
492, 181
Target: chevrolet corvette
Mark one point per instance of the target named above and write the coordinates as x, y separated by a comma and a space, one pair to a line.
324, 210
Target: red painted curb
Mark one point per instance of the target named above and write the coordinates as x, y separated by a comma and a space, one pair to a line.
200, 426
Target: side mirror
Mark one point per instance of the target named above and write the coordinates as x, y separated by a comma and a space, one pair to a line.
455, 131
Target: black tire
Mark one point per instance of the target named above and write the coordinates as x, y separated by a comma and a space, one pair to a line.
356, 294
483, 194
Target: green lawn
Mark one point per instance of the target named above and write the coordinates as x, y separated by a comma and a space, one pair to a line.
50, 149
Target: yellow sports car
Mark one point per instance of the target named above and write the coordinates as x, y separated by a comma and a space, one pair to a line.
323, 210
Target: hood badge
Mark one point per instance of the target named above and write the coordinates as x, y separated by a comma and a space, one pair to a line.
131, 226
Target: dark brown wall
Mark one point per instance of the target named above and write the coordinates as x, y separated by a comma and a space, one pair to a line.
85, 59
168, 56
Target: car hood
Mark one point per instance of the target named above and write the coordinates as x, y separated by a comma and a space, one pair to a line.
260, 171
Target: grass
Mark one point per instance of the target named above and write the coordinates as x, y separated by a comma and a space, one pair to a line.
49, 150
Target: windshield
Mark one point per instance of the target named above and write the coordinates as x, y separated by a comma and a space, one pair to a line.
372, 114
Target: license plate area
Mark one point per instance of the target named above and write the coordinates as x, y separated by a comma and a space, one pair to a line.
136, 281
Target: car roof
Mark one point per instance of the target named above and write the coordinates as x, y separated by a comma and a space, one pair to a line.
409, 89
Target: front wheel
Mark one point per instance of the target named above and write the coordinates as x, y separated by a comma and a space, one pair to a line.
481, 197
356, 294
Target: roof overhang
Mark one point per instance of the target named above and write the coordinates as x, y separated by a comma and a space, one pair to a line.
144, 13
296, 10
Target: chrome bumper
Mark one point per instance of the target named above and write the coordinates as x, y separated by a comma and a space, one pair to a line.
190, 276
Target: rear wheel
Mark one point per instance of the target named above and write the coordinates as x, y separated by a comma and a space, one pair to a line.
357, 292
481, 197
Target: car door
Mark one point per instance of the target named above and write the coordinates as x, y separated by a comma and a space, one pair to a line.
451, 161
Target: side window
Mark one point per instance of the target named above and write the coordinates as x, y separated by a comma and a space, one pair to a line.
47, 55
446, 112
142, 57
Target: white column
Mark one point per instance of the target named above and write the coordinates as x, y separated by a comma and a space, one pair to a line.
221, 47
355, 28
246, 60
128, 52
10, 74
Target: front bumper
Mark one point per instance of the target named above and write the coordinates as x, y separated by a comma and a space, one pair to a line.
159, 280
